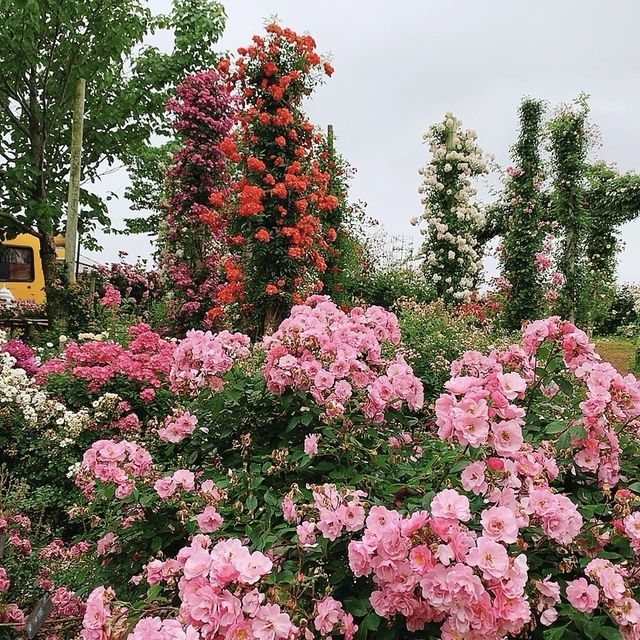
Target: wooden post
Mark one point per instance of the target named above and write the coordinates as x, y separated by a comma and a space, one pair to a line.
330, 138
71, 234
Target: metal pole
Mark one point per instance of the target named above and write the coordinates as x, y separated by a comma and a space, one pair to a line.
71, 234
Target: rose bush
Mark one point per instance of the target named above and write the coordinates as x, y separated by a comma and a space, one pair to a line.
295, 488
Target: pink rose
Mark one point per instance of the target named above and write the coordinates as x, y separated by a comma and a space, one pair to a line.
209, 520
311, 444
451, 505
582, 595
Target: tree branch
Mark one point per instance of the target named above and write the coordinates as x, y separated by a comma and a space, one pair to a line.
23, 227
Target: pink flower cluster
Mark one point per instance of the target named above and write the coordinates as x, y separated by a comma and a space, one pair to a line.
482, 407
611, 401
201, 359
158, 629
330, 614
631, 527
16, 528
542, 261
432, 568
146, 360
135, 282
99, 621
338, 510
612, 593
478, 409
177, 427
337, 358
209, 520
66, 604
111, 297
5, 583
216, 587
116, 462
181, 479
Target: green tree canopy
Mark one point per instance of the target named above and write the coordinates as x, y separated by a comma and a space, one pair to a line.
45, 46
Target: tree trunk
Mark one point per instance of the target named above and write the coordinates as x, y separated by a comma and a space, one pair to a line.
50, 272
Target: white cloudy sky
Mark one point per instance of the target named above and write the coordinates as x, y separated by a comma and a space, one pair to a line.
400, 65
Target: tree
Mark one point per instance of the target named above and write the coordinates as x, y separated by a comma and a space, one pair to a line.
45, 46
453, 255
524, 227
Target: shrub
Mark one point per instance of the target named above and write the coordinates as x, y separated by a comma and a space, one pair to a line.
435, 336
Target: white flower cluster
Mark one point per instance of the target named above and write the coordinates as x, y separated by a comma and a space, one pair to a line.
452, 256
105, 408
92, 337
21, 396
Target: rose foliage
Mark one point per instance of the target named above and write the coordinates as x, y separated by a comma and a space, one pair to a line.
297, 488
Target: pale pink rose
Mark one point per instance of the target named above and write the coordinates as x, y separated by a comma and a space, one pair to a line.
165, 487
549, 616
499, 523
185, 479
289, 510
197, 562
252, 567
270, 623
352, 516
451, 505
512, 385
329, 613
209, 520
360, 556
329, 524
348, 628
490, 557
251, 601
507, 437
306, 534
582, 595
472, 478
311, 444
549, 589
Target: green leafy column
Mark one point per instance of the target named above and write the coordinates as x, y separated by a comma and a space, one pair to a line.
612, 199
569, 145
525, 229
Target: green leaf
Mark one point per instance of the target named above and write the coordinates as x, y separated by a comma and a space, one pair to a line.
555, 633
251, 503
371, 622
555, 427
610, 633
565, 386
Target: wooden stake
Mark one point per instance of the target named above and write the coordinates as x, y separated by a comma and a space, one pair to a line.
71, 234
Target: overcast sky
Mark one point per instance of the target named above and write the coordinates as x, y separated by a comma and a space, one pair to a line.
401, 65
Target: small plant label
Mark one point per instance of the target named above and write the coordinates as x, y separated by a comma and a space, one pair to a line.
37, 617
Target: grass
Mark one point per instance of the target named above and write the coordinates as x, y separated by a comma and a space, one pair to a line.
620, 352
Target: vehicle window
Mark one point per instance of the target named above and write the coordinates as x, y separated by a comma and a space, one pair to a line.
16, 264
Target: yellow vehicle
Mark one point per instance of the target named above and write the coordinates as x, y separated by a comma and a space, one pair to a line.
21, 267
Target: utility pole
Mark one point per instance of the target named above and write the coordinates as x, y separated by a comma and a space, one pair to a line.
330, 138
71, 234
